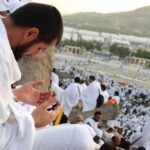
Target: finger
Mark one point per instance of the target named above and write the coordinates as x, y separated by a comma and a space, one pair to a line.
53, 115
48, 98
50, 93
39, 102
53, 100
44, 105
37, 83
45, 92
45, 97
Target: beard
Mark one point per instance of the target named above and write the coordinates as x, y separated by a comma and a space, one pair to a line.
19, 50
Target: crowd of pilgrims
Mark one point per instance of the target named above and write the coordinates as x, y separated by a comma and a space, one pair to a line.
125, 132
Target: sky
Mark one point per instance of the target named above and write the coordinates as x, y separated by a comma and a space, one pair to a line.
101, 6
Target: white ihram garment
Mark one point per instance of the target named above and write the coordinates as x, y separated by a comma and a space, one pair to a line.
58, 91
106, 96
70, 97
55, 78
64, 137
89, 98
16, 126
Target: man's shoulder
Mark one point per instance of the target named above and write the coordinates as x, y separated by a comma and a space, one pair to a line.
89, 120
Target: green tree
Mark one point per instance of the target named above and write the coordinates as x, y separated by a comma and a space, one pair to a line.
120, 51
81, 43
142, 54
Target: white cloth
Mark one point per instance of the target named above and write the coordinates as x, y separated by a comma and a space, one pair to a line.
16, 125
108, 136
27, 107
55, 78
106, 96
146, 136
18, 131
99, 132
9, 74
117, 98
89, 98
64, 137
58, 91
92, 123
84, 87
12, 5
70, 97
134, 137
101, 142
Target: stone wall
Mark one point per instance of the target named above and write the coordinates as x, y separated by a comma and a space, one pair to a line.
36, 68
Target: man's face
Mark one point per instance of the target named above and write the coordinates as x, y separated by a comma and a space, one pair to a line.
31, 48
97, 117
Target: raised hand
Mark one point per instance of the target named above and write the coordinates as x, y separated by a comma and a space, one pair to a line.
42, 117
30, 95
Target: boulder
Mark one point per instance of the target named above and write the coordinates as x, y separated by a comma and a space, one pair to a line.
36, 68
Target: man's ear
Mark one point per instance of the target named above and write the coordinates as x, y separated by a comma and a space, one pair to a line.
31, 34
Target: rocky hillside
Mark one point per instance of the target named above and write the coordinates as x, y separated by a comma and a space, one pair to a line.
135, 22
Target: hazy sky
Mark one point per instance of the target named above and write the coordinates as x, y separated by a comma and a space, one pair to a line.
103, 6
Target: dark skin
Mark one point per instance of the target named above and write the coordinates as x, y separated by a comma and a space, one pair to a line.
96, 117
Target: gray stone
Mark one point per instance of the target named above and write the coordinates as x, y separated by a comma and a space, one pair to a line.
36, 68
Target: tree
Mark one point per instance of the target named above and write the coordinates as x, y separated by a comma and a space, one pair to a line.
88, 45
120, 51
142, 54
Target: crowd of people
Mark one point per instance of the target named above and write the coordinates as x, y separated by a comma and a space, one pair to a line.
132, 100
31, 119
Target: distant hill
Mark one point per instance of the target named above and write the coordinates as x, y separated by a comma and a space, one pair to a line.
135, 22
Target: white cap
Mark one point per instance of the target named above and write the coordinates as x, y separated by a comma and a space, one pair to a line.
3, 5
12, 5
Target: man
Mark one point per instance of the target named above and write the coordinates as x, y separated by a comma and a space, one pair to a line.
24, 33
89, 98
54, 77
108, 134
71, 96
116, 97
93, 122
104, 93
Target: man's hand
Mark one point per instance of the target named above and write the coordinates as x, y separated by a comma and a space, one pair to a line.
42, 117
30, 95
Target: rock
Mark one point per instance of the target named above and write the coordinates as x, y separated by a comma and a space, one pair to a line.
36, 68
109, 112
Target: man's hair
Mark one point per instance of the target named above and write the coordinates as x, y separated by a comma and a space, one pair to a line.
54, 70
97, 113
107, 146
141, 148
125, 144
77, 80
110, 130
103, 87
116, 93
92, 78
44, 17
